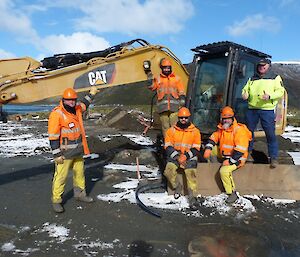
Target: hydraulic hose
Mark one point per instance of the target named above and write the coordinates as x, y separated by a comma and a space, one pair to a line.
151, 110
142, 189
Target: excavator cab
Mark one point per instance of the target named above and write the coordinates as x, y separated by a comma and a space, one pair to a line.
217, 76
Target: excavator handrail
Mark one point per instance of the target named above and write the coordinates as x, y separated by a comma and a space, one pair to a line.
172, 55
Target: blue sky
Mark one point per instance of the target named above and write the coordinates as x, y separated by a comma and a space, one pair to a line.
42, 28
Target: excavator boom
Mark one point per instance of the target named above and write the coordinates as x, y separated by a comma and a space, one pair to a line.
25, 80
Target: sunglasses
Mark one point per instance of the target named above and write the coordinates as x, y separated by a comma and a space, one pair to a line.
183, 118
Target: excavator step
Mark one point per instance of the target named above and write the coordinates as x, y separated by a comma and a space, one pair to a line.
283, 182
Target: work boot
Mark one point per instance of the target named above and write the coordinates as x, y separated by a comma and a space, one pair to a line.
273, 163
250, 158
177, 192
232, 198
80, 195
193, 202
58, 208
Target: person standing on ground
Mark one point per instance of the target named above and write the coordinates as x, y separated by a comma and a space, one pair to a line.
263, 92
170, 95
182, 145
69, 144
232, 139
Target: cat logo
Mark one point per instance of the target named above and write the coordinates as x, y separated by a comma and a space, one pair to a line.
102, 75
97, 77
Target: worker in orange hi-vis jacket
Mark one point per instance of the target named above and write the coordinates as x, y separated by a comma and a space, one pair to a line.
232, 139
170, 94
182, 145
69, 144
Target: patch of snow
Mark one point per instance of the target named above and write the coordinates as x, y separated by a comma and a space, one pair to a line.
131, 184
293, 133
26, 144
26, 252
296, 157
97, 244
138, 139
59, 232
287, 62
92, 156
8, 247
165, 201
133, 168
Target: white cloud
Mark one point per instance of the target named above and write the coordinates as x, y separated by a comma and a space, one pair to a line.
14, 21
130, 16
77, 42
251, 24
4, 54
121, 16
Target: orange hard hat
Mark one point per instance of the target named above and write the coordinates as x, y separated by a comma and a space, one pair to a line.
184, 112
165, 62
227, 112
70, 93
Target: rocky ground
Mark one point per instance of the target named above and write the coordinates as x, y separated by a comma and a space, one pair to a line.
114, 225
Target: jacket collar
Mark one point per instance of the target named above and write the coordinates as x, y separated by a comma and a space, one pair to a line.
171, 75
189, 128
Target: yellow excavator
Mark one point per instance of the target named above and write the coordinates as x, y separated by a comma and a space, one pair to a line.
213, 79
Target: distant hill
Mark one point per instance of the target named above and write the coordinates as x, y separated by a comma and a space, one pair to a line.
290, 73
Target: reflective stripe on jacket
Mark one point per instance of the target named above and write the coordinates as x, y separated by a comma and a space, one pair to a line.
236, 137
183, 140
66, 132
168, 88
256, 87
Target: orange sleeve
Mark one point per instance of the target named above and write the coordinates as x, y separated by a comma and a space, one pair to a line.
215, 137
241, 140
54, 126
180, 87
169, 138
154, 85
197, 140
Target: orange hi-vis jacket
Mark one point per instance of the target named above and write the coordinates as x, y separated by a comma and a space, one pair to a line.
183, 140
66, 132
168, 88
235, 138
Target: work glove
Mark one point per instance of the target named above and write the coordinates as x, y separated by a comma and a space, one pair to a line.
94, 90
182, 100
182, 160
59, 160
226, 162
207, 153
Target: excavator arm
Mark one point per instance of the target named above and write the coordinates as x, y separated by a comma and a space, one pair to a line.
130, 65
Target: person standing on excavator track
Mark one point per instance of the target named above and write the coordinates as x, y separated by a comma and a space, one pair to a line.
170, 94
68, 143
182, 145
263, 92
232, 139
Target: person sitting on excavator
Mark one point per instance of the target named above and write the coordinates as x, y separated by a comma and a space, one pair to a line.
170, 94
232, 139
69, 144
182, 145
